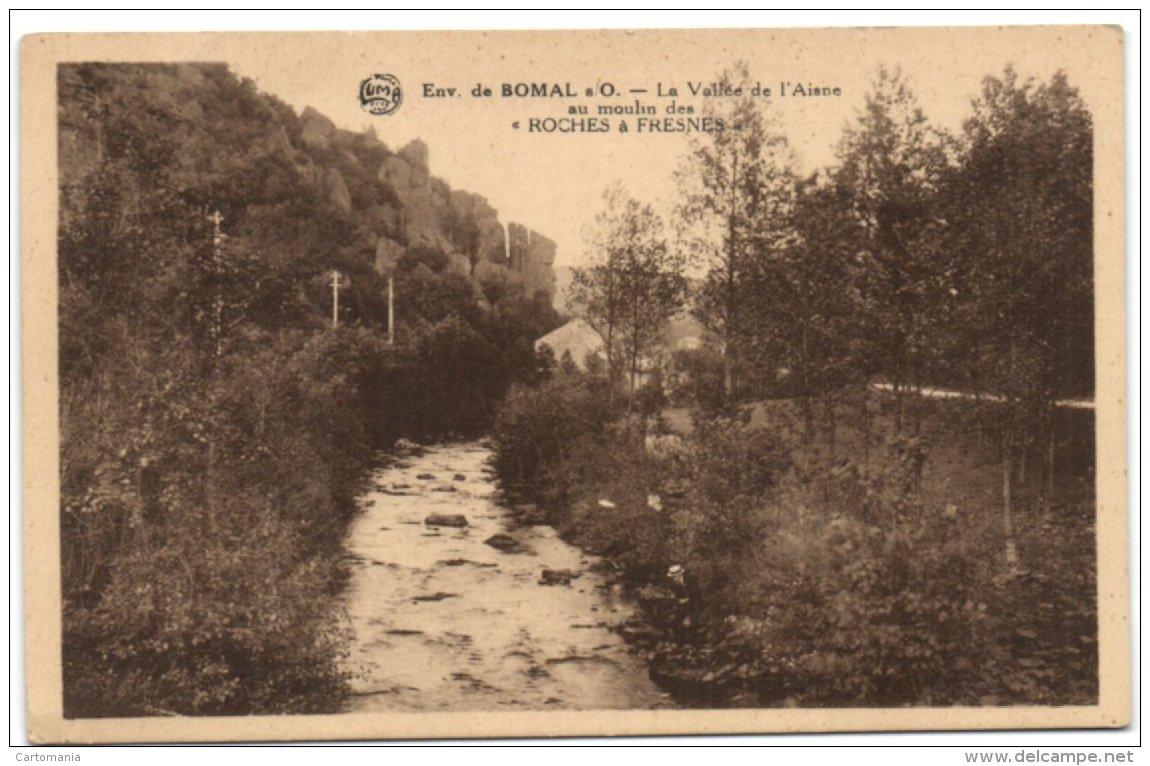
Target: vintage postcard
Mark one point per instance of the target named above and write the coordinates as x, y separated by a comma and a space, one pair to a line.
567, 383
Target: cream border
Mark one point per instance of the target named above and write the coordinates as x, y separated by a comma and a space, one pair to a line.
39, 56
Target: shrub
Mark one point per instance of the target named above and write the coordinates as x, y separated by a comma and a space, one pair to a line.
733, 470
865, 596
871, 615
228, 502
209, 623
537, 426
612, 467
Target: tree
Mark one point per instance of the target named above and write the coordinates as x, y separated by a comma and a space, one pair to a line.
633, 285
736, 186
1022, 207
892, 164
809, 313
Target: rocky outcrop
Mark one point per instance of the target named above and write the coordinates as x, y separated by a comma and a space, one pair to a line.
464, 226
316, 129
532, 255
474, 228
416, 154
336, 187
413, 209
397, 173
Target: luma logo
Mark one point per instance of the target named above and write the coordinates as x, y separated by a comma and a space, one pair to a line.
380, 94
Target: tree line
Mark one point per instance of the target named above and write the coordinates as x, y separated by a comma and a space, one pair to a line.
920, 258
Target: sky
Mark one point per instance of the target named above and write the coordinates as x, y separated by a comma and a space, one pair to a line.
553, 182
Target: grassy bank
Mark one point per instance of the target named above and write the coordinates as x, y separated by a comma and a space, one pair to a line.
832, 570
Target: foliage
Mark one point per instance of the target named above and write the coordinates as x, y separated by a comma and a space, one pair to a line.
869, 598
633, 286
893, 163
737, 192
696, 378
209, 624
1022, 204
861, 563
811, 308
539, 426
830, 582
214, 429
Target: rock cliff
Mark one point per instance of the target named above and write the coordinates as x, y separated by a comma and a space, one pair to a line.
411, 209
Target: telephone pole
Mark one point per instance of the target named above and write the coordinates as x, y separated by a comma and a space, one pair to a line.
390, 310
335, 281
217, 329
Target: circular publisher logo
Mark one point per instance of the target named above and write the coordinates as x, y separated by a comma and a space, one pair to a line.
380, 94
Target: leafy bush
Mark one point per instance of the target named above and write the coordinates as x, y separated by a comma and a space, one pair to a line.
823, 584
223, 516
629, 529
731, 471
212, 624
861, 595
865, 614
538, 426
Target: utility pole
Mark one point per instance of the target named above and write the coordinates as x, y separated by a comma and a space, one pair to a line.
217, 295
391, 310
335, 281
212, 500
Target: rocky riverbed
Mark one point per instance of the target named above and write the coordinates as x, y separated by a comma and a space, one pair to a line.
455, 604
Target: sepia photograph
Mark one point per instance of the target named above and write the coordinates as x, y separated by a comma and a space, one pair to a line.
615, 382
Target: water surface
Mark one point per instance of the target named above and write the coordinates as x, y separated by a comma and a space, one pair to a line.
443, 621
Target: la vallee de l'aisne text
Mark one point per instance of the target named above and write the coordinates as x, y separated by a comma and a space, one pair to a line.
669, 115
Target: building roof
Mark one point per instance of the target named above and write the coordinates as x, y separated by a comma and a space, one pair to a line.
577, 337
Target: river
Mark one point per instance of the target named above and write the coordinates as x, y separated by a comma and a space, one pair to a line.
443, 621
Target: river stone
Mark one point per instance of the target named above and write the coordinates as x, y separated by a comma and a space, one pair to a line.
446, 520
425, 476
461, 562
459, 477
557, 577
434, 596
444, 488
505, 543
